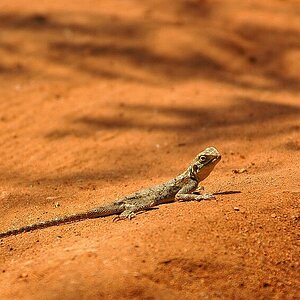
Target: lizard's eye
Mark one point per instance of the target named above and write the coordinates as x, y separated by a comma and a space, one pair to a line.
203, 158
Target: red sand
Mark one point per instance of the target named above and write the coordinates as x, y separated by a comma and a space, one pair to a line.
101, 98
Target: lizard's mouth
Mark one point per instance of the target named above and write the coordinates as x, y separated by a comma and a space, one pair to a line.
216, 159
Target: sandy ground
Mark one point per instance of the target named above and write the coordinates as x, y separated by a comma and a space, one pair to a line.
101, 98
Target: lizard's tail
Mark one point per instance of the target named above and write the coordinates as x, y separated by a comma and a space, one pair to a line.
94, 213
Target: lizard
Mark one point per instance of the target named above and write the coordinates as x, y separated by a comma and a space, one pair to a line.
180, 188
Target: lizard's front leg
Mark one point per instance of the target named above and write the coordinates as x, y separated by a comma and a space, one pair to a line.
185, 193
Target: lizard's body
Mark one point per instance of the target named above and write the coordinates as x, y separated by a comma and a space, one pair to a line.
178, 189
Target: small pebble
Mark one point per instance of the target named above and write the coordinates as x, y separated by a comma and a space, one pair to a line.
239, 171
23, 275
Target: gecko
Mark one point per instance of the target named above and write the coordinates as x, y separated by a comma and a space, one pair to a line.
180, 188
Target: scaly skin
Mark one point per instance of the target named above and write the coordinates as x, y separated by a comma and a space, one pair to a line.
178, 189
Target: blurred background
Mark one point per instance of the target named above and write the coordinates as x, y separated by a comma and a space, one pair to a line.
172, 72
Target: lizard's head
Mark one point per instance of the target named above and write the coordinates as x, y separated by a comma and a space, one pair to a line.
204, 163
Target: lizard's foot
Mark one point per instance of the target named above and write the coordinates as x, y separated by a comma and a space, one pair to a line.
126, 214
205, 197
199, 190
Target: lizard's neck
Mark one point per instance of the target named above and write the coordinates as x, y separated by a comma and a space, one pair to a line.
186, 175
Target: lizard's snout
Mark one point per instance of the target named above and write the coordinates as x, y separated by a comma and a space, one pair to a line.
218, 158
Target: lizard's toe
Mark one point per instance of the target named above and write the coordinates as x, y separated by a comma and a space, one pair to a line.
209, 197
205, 197
126, 214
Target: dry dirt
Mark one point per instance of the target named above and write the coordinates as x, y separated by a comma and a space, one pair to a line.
101, 98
